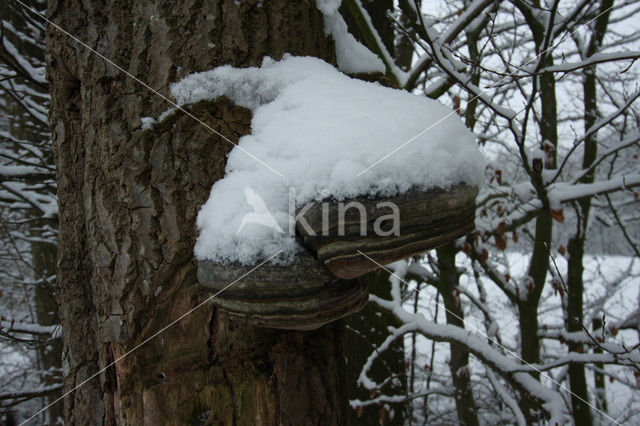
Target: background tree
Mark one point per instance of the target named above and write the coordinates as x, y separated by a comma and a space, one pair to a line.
512, 62
31, 350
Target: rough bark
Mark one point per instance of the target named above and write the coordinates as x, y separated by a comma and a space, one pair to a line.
128, 200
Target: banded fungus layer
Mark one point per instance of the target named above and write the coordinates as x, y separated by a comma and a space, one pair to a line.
323, 286
299, 296
352, 245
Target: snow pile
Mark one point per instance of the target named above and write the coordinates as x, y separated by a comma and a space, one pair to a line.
315, 129
352, 56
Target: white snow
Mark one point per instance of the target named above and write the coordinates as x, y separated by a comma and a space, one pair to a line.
536, 153
352, 56
147, 122
524, 191
319, 128
612, 290
28, 328
17, 171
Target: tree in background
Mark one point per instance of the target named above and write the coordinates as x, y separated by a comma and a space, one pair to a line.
30, 345
512, 62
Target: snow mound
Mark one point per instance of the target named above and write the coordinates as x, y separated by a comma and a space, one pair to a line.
315, 129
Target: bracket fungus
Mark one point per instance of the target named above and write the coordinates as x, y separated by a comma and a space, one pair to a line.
423, 220
299, 296
371, 169
315, 290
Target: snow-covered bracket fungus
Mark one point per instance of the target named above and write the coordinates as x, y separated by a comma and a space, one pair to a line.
301, 185
387, 228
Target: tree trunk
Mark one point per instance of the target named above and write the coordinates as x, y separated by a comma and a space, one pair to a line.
459, 364
49, 354
539, 262
575, 282
128, 202
366, 331
599, 379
